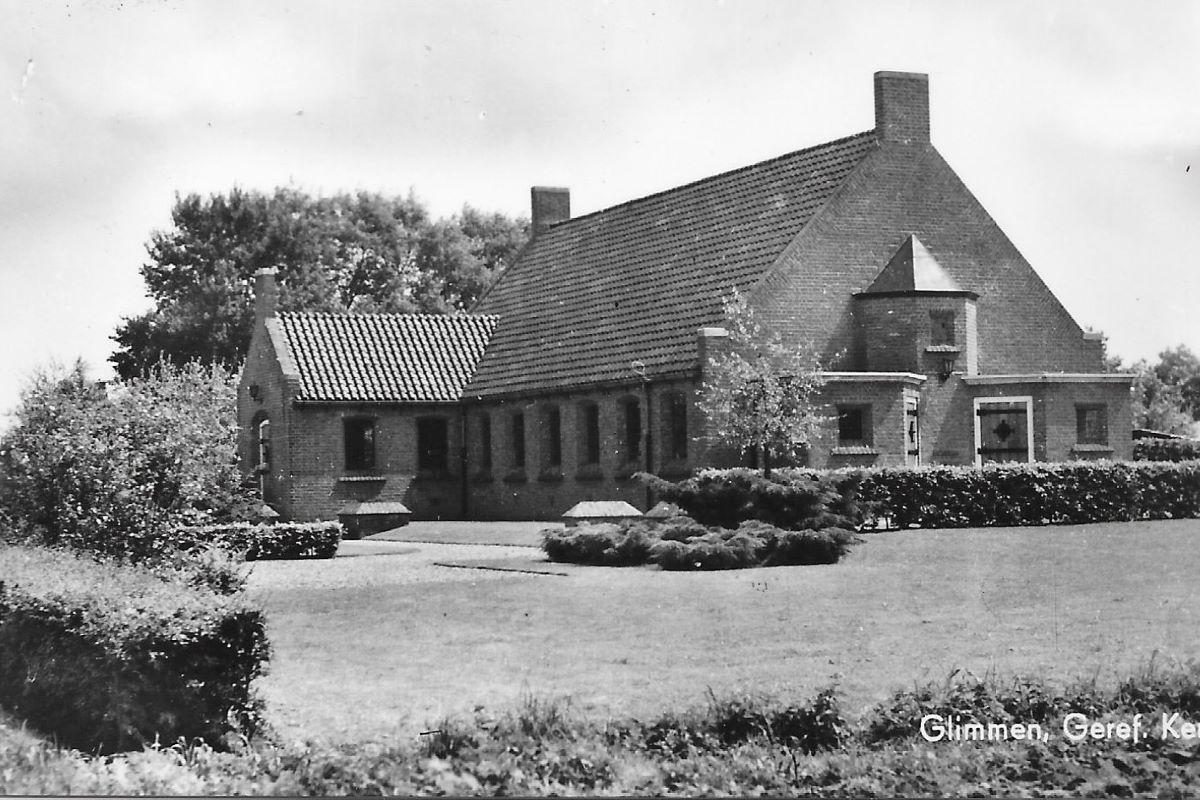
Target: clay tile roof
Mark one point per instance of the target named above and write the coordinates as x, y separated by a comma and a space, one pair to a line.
385, 358
634, 282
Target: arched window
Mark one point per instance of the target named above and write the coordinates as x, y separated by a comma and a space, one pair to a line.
631, 429
675, 426
552, 420
262, 448
589, 433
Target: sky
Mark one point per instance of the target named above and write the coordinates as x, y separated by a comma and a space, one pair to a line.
1076, 124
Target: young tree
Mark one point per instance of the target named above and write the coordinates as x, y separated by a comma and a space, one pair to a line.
759, 392
348, 252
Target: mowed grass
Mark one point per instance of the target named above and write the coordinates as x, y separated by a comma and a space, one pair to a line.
388, 659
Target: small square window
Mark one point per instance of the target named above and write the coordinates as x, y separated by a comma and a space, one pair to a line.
854, 425
358, 436
941, 328
1091, 424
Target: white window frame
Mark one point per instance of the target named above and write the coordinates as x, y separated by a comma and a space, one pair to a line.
1027, 399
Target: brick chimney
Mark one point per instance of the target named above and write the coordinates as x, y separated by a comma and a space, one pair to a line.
902, 107
551, 204
266, 294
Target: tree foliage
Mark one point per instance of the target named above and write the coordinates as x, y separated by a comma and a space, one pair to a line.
760, 393
109, 469
347, 252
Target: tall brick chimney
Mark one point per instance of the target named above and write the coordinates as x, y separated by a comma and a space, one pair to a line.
551, 204
266, 294
902, 107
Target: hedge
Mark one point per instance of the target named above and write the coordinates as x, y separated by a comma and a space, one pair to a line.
1166, 450
681, 543
945, 496
1034, 494
266, 541
108, 657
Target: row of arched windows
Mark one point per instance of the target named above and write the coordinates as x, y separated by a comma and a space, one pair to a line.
589, 430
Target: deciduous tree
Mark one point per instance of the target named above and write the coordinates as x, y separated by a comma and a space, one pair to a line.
347, 252
759, 392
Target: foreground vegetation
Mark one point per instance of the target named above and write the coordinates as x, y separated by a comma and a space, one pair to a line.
731, 745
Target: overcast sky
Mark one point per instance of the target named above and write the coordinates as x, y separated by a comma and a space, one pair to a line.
1076, 124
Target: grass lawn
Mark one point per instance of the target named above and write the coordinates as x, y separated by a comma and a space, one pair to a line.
385, 643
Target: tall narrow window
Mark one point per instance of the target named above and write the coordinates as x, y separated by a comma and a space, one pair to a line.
553, 422
677, 427
518, 440
631, 443
358, 436
1091, 423
262, 450
485, 442
589, 419
433, 445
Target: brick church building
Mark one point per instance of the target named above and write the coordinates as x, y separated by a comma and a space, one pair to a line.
581, 365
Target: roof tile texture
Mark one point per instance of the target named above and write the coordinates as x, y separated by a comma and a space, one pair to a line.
634, 282
388, 358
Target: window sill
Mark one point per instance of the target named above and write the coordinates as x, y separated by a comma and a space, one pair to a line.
589, 472
551, 475
943, 348
483, 476
516, 476
361, 478
1091, 448
854, 450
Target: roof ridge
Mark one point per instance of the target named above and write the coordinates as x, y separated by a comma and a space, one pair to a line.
864, 134
382, 315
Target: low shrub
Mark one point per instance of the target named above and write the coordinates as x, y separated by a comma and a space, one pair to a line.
681, 543
793, 499
1166, 450
107, 657
811, 547
265, 541
600, 544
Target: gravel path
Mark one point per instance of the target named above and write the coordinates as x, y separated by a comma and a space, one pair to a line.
375, 563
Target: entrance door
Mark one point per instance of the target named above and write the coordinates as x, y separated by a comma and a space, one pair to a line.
912, 432
1003, 429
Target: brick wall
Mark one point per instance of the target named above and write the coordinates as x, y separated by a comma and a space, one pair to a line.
900, 190
321, 484
543, 491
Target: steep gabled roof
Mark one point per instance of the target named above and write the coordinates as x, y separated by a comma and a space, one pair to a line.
634, 282
913, 269
384, 358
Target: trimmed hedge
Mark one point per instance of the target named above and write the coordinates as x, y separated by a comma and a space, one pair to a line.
1166, 450
681, 543
266, 541
109, 657
944, 496
1034, 494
